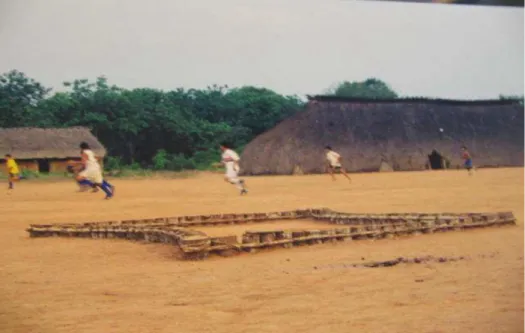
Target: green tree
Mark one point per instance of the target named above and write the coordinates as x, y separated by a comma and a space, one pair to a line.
19, 96
520, 99
149, 127
370, 88
258, 109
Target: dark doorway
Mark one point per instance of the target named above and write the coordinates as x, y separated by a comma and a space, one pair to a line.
43, 166
436, 160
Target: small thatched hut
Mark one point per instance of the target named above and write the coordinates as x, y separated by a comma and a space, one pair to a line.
400, 133
46, 149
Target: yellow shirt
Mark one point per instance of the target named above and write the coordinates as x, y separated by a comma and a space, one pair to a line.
12, 167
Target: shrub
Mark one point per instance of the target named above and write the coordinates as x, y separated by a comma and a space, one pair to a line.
179, 162
113, 163
160, 160
203, 160
135, 166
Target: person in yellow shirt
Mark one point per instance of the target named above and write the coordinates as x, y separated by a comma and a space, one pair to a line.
12, 170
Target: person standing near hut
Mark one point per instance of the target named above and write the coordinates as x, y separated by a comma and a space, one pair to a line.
13, 172
92, 172
334, 163
230, 160
467, 159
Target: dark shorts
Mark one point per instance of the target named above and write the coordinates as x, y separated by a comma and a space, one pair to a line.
468, 164
336, 168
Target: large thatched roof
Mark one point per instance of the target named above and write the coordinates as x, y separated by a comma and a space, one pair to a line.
401, 132
34, 143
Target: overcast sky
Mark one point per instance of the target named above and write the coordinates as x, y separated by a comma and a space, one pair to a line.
290, 46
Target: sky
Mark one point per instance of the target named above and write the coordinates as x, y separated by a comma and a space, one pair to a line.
290, 46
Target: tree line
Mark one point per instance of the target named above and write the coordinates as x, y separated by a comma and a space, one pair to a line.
151, 128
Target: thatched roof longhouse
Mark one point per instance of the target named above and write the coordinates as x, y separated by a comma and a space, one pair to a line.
49, 143
401, 132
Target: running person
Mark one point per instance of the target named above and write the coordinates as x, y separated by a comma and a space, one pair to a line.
334, 163
75, 168
92, 172
467, 159
230, 160
13, 173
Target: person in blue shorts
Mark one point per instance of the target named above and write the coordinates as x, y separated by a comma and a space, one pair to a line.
467, 160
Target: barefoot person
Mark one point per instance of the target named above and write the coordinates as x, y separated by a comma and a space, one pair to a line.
92, 172
230, 160
467, 159
334, 163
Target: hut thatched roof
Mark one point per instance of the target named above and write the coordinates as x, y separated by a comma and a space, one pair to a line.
35, 143
401, 132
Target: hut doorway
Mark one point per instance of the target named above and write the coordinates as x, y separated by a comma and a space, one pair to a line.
43, 166
436, 160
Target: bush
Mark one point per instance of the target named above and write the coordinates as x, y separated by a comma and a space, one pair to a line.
179, 162
201, 160
176, 162
204, 159
113, 163
135, 166
160, 160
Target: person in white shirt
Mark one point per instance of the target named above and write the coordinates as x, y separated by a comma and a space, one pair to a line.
91, 174
75, 168
230, 160
334, 163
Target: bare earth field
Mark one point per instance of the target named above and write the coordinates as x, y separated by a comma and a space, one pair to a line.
102, 286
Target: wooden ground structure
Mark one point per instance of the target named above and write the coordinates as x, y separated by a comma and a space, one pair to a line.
194, 244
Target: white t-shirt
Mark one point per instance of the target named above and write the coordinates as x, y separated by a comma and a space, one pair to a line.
229, 157
91, 162
333, 158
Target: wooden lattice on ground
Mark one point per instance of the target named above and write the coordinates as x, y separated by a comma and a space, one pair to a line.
197, 245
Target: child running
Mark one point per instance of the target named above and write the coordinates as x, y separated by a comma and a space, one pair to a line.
334, 163
92, 172
467, 159
230, 160
13, 173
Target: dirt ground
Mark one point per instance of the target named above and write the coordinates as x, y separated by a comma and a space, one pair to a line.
84, 285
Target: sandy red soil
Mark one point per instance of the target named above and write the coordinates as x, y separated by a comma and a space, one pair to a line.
84, 285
